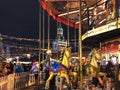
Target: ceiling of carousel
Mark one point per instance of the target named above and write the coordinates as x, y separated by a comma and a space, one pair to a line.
68, 10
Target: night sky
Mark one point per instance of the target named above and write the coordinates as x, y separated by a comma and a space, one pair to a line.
20, 18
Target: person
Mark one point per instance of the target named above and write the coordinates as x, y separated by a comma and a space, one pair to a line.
109, 70
119, 74
110, 75
19, 68
34, 69
84, 65
11, 67
4, 70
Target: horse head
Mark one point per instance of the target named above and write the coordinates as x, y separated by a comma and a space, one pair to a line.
93, 57
94, 54
67, 51
66, 56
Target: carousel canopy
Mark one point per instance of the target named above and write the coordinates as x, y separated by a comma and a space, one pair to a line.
98, 17
68, 10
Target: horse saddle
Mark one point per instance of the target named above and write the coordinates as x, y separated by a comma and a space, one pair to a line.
56, 67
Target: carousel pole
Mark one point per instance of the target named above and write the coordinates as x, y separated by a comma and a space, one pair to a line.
58, 49
80, 46
39, 43
75, 39
48, 26
43, 46
49, 50
68, 42
101, 53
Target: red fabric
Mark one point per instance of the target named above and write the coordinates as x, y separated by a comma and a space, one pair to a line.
103, 50
116, 46
60, 68
113, 46
108, 47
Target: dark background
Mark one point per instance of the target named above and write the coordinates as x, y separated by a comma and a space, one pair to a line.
20, 18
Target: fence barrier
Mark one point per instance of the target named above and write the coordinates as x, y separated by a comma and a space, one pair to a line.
16, 81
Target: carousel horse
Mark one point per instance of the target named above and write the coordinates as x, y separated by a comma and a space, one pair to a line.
60, 68
92, 68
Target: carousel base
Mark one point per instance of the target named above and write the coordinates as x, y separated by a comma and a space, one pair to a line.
89, 83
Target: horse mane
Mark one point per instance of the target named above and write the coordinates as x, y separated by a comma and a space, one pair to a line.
65, 57
61, 55
93, 57
94, 54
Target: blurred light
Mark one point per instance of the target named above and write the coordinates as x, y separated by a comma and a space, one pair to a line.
9, 60
28, 55
17, 57
49, 52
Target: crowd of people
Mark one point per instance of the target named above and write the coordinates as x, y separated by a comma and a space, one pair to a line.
11, 67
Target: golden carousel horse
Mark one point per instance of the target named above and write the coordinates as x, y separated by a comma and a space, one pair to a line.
60, 68
92, 68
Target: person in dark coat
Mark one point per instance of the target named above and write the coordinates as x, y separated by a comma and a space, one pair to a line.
110, 70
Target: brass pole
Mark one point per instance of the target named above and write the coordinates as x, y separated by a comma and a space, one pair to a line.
43, 35
48, 26
57, 43
75, 39
80, 46
68, 42
101, 53
39, 42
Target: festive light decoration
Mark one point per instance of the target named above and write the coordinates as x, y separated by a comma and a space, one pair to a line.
18, 39
1, 38
17, 46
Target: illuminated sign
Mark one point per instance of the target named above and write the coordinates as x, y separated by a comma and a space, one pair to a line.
62, 43
109, 27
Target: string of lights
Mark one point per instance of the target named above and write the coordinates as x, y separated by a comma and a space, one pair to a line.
18, 38
2, 37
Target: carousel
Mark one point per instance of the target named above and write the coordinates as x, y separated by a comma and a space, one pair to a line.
97, 24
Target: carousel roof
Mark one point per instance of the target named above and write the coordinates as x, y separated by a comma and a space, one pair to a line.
98, 17
68, 10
